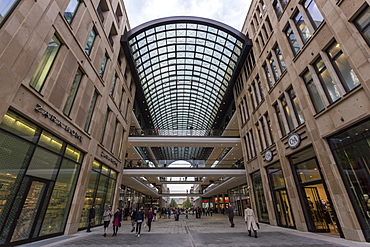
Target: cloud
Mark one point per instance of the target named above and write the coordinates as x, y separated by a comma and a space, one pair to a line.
231, 13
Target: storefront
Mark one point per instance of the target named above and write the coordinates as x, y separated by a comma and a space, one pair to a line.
317, 207
100, 192
239, 198
262, 212
38, 176
280, 197
351, 150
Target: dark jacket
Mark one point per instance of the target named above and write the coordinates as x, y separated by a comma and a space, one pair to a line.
133, 215
92, 213
140, 215
230, 212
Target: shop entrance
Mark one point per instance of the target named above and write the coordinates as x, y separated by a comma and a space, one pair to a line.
28, 210
284, 217
321, 212
317, 207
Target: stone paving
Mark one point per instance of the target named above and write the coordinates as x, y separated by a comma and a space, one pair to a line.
208, 232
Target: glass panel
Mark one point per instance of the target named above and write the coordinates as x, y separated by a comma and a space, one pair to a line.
90, 42
328, 84
351, 150
73, 92
15, 154
50, 142
280, 57
5, 7
71, 10
314, 12
29, 211
47, 60
308, 171
314, 94
293, 41
283, 209
44, 164
288, 113
103, 65
91, 110
100, 198
344, 68
297, 108
60, 201
89, 198
19, 126
260, 198
302, 27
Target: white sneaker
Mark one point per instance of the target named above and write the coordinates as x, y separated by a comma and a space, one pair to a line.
138, 235
135, 233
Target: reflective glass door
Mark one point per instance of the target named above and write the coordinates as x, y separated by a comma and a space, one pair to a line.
284, 214
28, 214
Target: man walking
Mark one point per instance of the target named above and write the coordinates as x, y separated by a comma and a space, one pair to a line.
91, 222
230, 213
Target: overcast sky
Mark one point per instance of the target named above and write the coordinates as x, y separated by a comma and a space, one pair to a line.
232, 13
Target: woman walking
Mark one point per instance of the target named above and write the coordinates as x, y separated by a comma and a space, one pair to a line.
139, 220
250, 220
117, 218
150, 216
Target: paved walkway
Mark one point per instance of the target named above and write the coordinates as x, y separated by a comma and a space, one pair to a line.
208, 231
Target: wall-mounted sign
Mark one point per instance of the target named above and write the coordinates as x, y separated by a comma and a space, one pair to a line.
106, 156
54, 119
294, 140
268, 155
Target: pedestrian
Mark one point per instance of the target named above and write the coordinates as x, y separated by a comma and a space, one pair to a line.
107, 217
155, 211
91, 222
139, 220
117, 218
250, 220
133, 218
149, 217
230, 213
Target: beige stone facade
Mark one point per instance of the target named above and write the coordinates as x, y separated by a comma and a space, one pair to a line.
268, 30
24, 37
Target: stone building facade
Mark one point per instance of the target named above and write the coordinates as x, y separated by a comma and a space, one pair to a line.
303, 104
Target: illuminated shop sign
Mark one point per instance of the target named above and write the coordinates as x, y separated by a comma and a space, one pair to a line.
58, 122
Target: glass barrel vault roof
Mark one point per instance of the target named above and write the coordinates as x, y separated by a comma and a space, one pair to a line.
184, 66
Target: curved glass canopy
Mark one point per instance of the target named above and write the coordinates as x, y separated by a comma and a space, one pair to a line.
185, 66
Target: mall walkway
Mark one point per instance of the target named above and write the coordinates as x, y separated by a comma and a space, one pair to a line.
208, 231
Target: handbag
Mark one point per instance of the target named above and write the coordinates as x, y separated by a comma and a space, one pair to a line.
258, 225
119, 225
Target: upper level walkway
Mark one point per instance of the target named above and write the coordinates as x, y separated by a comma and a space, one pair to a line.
183, 172
207, 231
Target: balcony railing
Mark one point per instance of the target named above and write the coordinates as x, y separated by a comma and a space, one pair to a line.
181, 164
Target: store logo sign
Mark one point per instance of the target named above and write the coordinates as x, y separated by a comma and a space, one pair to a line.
106, 156
268, 155
39, 108
294, 140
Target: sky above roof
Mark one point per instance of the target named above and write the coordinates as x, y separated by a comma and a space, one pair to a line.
232, 13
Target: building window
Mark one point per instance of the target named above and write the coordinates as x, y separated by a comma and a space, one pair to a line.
330, 88
71, 10
274, 68
268, 75
362, 22
296, 107
268, 128
114, 137
277, 8
103, 65
280, 119
118, 14
91, 111
292, 41
100, 192
111, 93
314, 13
343, 68
312, 90
72, 94
262, 96
280, 58
102, 9
47, 60
121, 98
262, 212
287, 112
6, 7
351, 150
104, 126
34, 159
302, 27
90, 41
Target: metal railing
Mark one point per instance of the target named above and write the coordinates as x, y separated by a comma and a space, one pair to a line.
185, 132
181, 164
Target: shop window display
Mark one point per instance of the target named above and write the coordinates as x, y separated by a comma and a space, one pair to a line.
38, 178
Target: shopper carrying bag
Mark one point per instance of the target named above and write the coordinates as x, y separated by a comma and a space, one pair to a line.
250, 220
